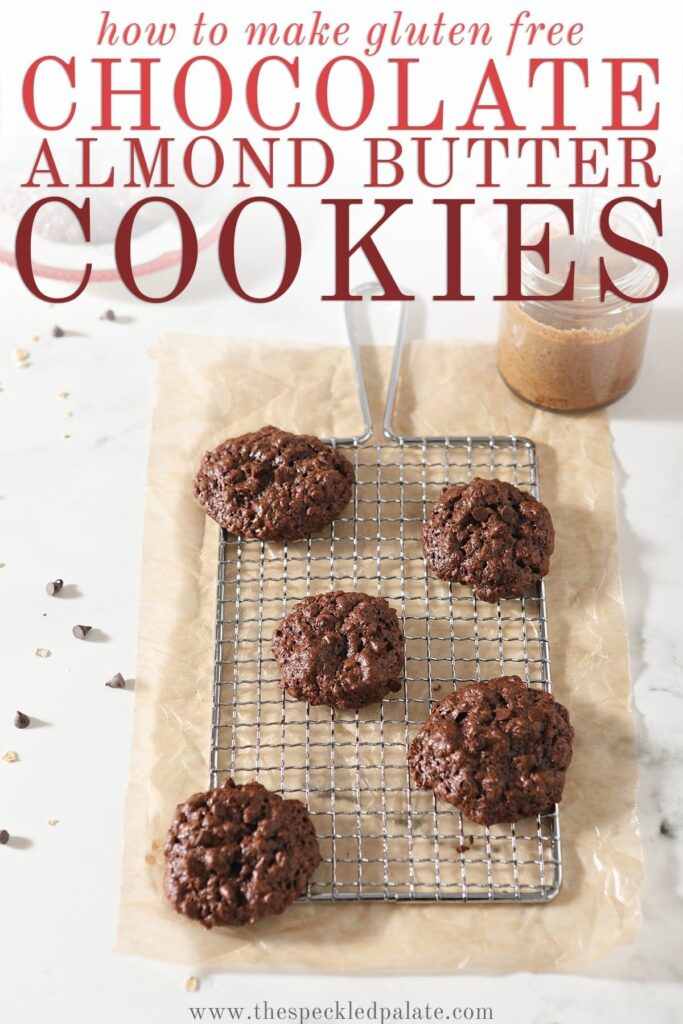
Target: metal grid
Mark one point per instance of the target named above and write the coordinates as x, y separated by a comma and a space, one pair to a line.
381, 838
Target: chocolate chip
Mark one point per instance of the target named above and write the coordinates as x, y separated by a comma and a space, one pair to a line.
116, 682
57, 331
80, 632
460, 717
502, 714
53, 587
4, 836
665, 829
480, 513
108, 314
507, 514
21, 720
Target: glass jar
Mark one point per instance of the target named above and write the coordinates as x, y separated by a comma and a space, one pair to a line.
582, 353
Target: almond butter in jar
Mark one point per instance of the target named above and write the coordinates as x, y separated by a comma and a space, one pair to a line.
584, 353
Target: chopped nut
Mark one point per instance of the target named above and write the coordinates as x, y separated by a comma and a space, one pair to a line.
53, 821
62, 394
11, 756
68, 414
42, 652
35, 337
191, 984
21, 356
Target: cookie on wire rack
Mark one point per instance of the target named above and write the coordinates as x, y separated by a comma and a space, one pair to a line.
490, 536
273, 485
499, 751
341, 649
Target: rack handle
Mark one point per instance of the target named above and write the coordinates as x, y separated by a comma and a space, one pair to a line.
367, 290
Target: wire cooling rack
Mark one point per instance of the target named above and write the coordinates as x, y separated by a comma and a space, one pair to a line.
380, 837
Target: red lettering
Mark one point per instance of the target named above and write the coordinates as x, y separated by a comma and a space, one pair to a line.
226, 249
636, 250
453, 291
516, 247
491, 78
24, 243
365, 244
620, 93
180, 93
28, 91
189, 249
253, 100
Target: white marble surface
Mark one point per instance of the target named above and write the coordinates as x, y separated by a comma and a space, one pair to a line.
73, 507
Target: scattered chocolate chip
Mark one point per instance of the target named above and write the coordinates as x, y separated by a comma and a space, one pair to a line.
480, 513
53, 587
507, 514
116, 682
57, 331
436, 687
460, 717
665, 829
108, 314
461, 848
21, 720
4, 836
80, 632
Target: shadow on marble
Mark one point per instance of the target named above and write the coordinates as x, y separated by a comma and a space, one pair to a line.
653, 955
657, 393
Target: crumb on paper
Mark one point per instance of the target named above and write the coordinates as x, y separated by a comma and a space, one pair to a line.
21, 356
62, 394
150, 858
43, 652
158, 844
67, 435
68, 413
53, 821
191, 984
10, 756
35, 337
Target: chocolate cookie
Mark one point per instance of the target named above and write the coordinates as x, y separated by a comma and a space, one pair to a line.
498, 751
490, 536
341, 649
238, 853
274, 485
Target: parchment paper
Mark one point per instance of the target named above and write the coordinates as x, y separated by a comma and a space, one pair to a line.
209, 389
